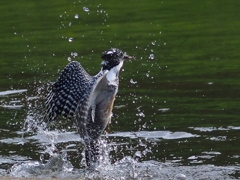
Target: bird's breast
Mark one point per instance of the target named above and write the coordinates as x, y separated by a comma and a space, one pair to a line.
112, 75
104, 104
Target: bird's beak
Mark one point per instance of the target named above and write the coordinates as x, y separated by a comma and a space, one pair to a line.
127, 57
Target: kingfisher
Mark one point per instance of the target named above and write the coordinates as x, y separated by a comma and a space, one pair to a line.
87, 99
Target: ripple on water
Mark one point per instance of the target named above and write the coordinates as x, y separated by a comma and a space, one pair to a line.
10, 103
210, 129
63, 137
154, 134
4, 93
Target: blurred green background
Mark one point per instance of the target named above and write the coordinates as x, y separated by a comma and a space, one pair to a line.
192, 79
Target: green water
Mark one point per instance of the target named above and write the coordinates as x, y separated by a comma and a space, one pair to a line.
194, 74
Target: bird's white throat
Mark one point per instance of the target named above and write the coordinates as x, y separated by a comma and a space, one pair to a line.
112, 75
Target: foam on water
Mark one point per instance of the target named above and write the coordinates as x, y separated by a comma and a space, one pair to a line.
127, 168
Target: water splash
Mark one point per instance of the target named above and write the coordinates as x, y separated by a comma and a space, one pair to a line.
55, 164
128, 167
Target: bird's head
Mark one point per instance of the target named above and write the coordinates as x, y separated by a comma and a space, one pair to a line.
113, 57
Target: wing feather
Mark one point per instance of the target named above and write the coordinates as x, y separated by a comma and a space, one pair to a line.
84, 113
68, 91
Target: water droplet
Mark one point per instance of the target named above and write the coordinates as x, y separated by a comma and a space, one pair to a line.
151, 56
69, 59
85, 9
141, 114
154, 43
74, 54
70, 39
70, 23
76, 16
133, 82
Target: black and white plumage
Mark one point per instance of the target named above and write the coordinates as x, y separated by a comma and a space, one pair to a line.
88, 99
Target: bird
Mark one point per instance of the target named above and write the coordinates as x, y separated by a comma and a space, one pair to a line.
87, 99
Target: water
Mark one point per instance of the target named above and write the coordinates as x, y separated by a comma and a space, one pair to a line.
129, 167
177, 110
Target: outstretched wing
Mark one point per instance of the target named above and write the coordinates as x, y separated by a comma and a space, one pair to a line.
68, 92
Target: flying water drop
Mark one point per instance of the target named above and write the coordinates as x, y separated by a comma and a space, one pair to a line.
70, 39
85, 9
141, 114
151, 56
76, 16
74, 54
133, 82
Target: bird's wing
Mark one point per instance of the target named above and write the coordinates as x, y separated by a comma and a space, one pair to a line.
86, 112
68, 92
